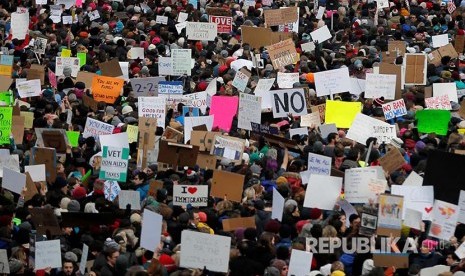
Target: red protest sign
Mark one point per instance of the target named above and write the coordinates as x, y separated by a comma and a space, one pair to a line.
223, 23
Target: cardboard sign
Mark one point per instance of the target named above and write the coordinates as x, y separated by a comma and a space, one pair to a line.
223, 23
439, 102
36, 72
288, 101
201, 31
415, 69
44, 220
391, 259
459, 43
248, 111
228, 147
283, 53
111, 68
31, 189
46, 156
390, 215
89, 102
206, 161
227, 185
321, 110
195, 195
275, 17
341, 113
235, 223
54, 139
398, 46
394, 109
86, 78
380, 85
202, 139
277, 140
106, 89
332, 81
218, 11
258, 37
177, 154
392, 160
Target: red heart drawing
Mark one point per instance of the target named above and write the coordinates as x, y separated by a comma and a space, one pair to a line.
192, 190
428, 210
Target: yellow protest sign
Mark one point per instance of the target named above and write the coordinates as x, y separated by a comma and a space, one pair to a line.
132, 131
341, 113
28, 118
65, 53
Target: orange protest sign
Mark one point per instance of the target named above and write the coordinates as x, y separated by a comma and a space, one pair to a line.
106, 89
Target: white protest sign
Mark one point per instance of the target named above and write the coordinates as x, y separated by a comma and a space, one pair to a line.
413, 179
381, 4
288, 101
308, 47
162, 19
13, 181
460, 252
181, 62
434, 270
287, 80
323, 198
93, 15
136, 53
19, 25
298, 131
201, 250
180, 26
300, 263
145, 86
326, 129
151, 230
380, 85
264, 85
332, 81
438, 102
96, 128
153, 107
83, 262
68, 3
190, 122
9, 161
448, 88
461, 203
248, 111
67, 20
67, 62
319, 164
37, 172
55, 13
129, 197
198, 99
5, 267
356, 183
241, 79
277, 208
394, 109
182, 16
47, 254
364, 127
30, 88
40, 44
124, 65
111, 189
310, 120
164, 66
201, 31
444, 221
413, 219
321, 34
195, 195
357, 86
321, 11
419, 198
440, 40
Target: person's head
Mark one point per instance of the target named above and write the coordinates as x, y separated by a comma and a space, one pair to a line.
140, 178
452, 258
68, 267
354, 219
375, 142
111, 256
353, 154
337, 265
332, 138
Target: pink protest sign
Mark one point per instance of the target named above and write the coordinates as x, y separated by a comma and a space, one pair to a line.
224, 108
52, 78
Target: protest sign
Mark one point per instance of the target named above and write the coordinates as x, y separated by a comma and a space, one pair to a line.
440, 40
37, 172
321, 34
392, 160
357, 86
6, 120
319, 164
261, 129
30, 88
364, 127
390, 215
202, 250
201, 31
241, 79
164, 66
73, 138
300, 262
111, 68
380, 85
248, 111
287, 80
448, 88
433, 121
196, 100
223, 23
413, 179
227, 184
445, 216
224, 108
341, 113
438, 102
332, 81
13, 181
191, 122
413, 219
277, 208
170, 87
419, 198
321, 110
153, 107
275, 17
10, 162
415, 69
177, 154
114, 163
67, 62
356, 184
325, 199
288, 101
151, 230
228, 147
298, 131
394, 109
96, 128
146, 86
19, 25
195, 195
47, 254
310, 120
111, 189
283, 53
106, 89
48, 157
181, 62
129, 197
461, 204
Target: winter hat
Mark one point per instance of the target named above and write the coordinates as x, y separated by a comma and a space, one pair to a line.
79, 193
378, 101
110, 246
272, 271
127, 109
110, 110
135, 218
281, 181
64, 202
74, 206
396, 142
290, 205
279, 264
368, 266
167, 262
272, 226
315, 213
420, 145
70, 256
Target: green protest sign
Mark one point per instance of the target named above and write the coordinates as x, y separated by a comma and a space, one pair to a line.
6, 118
73, 138
82, 59
114, 163
430, 121
6, 98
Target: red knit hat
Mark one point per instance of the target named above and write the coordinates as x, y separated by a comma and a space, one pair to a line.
167, 262
79, 193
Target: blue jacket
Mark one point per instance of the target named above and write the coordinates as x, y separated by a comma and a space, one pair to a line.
143, 190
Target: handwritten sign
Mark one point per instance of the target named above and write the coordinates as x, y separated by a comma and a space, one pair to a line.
204, 250
241, 79
153, 107
47, 254
30, 88
332, 81
287, 80
201, 31
288, 101
380, 85
310, 120
146, 86
170, 87
106, 89
248, 111
394, 109
275, 17
364, 127
195, 195
164, 66
96, 128
319, 164
129, 197
6, 119
438, 102
283, 53
181, 62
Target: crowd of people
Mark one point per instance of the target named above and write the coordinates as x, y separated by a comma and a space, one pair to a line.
360, 33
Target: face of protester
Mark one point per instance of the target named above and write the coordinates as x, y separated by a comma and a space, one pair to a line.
68, 268
356, 222
112, 259
137, 181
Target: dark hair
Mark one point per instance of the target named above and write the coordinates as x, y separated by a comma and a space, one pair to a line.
353, 217
331, 136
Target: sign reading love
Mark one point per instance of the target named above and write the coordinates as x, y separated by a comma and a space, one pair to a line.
195, 195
